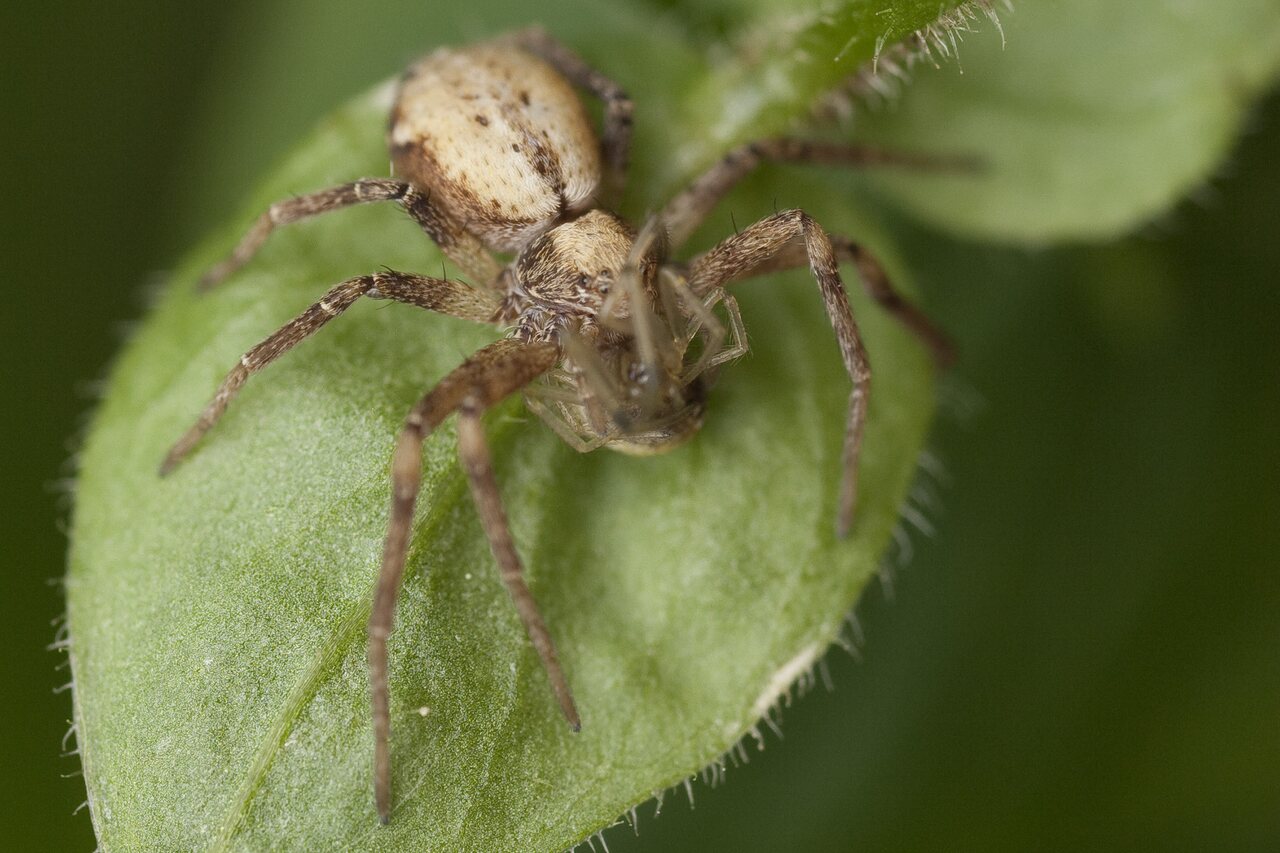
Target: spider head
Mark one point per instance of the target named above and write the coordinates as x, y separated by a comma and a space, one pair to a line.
575, 268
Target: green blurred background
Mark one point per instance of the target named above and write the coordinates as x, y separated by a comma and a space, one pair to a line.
1085, 656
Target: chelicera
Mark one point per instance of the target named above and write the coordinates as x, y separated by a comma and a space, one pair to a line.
612, 343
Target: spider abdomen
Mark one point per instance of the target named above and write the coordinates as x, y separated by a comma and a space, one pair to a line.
498, 138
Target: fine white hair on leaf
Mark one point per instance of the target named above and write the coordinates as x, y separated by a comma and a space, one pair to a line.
773, 726
885, 573
926, 496
994, 18
917, 519
800, 674
824, 671
902, 543
932, 465
781, 680
855, 625
889, 70
847, 645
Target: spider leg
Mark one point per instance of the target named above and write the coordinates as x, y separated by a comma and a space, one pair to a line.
598, 390
436, 294
875, 281
552, 414
687, 210
752, 249
461, 248
294, 209
715, 352
654, 340
473, 451
482, 381
618, 108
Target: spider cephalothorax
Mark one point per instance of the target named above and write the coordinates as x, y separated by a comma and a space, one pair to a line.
612, 343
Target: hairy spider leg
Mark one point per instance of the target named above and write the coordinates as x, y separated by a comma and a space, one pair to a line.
765, 239
462, 248
615, 137
690, 208
479, 383
436, 294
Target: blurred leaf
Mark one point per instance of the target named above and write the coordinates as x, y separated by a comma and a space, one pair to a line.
1094, 118
786, 59
218, 615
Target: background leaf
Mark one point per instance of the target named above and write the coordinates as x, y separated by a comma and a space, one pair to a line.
1094, 118
1083, 657
218, 615
975, 678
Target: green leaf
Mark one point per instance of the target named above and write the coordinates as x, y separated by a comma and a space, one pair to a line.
786, 61
217, 615
1093, 118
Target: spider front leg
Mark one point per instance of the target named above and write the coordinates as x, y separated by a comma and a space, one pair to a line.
482, 381
461, 248
752, 250
876, 283
436, 294
690, 208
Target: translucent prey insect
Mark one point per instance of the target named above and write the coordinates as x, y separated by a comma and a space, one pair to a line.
612, 343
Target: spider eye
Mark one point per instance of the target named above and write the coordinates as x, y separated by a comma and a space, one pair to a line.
583, 280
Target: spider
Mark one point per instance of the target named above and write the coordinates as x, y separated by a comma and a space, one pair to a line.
611, 343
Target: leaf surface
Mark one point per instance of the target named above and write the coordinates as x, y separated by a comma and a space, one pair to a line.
218, 614
1093, 117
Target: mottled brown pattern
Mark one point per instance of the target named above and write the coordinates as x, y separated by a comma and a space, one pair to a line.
613, 344
439, 141
618, 107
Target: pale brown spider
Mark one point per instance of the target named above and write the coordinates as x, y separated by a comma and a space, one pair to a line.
612, 344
